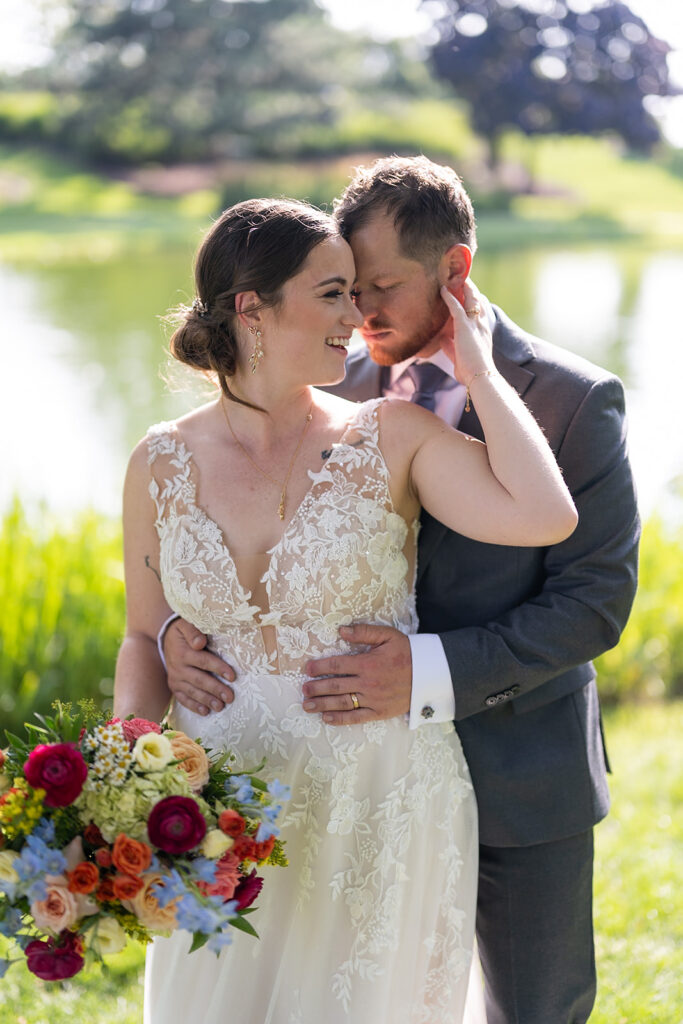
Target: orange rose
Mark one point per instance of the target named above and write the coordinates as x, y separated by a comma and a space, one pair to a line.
262, 851
227, 878
127, 886
146, 908
130, 856
83, 878
192, 757
232, 823
244, 848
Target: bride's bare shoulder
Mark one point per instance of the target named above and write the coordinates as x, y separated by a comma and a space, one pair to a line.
338, 411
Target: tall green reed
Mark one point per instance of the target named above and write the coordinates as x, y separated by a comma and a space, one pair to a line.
62, 601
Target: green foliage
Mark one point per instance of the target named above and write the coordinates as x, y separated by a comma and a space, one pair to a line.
638, 894
191, 81
28, 115
61, 588
648, 661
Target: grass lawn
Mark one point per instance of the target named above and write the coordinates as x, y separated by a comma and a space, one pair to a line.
639, 901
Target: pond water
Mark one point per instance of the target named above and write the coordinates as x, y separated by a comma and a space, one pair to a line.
83, 358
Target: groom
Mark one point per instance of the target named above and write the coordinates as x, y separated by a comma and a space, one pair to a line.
507, 634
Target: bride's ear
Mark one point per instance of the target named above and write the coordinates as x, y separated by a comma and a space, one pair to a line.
248, 309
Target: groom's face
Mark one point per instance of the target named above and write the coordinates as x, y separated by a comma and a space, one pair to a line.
398, 297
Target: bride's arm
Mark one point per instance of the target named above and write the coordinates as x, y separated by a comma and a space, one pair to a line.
507, 491
140, 686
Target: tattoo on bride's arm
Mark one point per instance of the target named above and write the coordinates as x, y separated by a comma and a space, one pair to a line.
150, 566
326, 452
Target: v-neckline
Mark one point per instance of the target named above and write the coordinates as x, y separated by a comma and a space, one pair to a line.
245, 593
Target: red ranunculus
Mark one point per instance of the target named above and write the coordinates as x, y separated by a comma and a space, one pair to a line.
59, 769
176, 824
55, 959
134, 728
247, 891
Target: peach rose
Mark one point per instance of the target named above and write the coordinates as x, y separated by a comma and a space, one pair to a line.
146, 907
193, 759
58, 910
130, 856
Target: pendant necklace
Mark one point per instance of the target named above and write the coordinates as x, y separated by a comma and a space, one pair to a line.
290, 467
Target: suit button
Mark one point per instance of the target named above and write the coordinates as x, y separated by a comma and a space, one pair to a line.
427, 711
490, 701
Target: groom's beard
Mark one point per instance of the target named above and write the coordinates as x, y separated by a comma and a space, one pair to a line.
396, 347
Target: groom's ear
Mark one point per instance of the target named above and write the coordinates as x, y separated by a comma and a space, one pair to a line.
454, 268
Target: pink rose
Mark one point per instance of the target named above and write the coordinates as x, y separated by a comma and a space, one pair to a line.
176, 824
247, 891
55, 959
59, 909
59, 769
134, 728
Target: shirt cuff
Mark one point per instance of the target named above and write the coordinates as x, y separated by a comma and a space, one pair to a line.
161, 634
432, 698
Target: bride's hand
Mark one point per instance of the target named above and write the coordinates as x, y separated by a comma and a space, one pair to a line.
470, 347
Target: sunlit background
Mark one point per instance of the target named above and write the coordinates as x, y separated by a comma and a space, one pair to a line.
83, 347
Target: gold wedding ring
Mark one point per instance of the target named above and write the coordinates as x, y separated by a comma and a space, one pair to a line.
354, 701
473, 312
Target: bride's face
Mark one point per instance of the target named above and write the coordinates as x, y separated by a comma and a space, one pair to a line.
312, 326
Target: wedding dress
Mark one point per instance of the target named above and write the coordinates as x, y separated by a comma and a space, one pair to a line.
373, 920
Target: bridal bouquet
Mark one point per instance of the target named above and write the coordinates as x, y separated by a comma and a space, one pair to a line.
112, 829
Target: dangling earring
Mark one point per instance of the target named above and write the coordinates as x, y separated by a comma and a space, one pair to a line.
257, 352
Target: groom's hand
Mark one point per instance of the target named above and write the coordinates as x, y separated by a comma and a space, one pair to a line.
380, 678
192, 670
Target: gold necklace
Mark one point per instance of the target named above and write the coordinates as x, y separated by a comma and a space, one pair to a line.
283, 492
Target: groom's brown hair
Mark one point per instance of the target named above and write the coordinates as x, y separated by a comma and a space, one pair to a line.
428, 202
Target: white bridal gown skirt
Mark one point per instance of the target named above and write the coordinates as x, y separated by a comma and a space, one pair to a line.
373, 921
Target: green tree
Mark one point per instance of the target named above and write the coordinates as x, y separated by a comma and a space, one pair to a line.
196, 79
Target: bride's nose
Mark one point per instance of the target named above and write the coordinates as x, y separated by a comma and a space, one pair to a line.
352, 315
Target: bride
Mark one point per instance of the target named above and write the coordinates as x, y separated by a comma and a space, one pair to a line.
270, 518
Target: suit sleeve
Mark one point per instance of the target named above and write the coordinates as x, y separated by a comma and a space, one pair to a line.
589, 580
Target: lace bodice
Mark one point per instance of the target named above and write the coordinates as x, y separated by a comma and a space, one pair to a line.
345, 556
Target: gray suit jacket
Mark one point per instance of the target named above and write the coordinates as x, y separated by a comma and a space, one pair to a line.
520, 625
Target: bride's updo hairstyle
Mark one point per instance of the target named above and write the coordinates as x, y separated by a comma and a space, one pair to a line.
257, 245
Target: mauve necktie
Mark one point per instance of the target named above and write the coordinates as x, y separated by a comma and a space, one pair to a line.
428, 379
